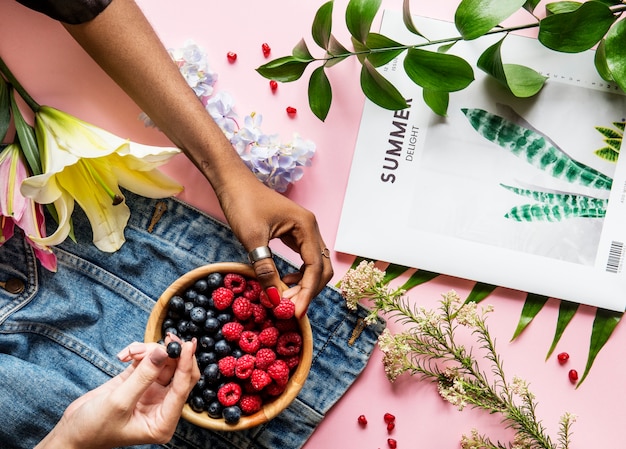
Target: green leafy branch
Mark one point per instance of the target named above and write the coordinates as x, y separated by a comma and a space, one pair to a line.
568, 27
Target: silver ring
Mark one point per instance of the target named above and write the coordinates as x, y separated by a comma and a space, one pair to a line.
326, 253
262, 252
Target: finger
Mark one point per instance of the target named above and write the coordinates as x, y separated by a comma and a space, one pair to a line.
185, 378
316, 273
267, 275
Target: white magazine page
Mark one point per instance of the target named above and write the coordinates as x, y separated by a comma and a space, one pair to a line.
462, 195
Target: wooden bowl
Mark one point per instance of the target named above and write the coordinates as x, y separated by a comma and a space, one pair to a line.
271, 408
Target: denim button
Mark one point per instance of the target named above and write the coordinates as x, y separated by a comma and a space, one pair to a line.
13, 286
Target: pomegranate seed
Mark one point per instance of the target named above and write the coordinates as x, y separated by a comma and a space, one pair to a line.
266, 50
232, 56
573, 375
390, 426
393, 444
291, 110
562, 357
273, 85
389, 418
362, 420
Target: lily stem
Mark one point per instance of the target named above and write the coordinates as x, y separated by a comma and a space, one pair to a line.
4, 69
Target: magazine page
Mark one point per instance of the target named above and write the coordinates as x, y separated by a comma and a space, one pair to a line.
503, 190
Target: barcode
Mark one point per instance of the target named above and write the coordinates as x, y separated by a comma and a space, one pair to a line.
616, 252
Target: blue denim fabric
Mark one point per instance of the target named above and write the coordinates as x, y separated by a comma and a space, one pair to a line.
60, 336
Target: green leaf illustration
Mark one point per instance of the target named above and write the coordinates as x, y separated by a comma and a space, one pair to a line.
438, 71
578, 30
603, 326
474, 18
320, 93
532, 306
567, 310
616, 53
322, 25
359, 17
379, 90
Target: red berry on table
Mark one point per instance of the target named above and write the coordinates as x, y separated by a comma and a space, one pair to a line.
389, 418
232, 56
273, 85
573, 375
563, 357
393, 444
362, 420
266, 49
291, 110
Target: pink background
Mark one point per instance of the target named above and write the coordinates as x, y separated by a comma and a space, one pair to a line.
57, 72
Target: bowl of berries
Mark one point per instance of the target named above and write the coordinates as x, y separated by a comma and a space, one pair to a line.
254, 356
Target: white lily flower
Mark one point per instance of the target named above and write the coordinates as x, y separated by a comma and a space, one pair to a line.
87, 164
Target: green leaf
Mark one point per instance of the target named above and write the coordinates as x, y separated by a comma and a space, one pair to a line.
578, 30
362, 50
530, 5
408, 19
322, 25
26, 136
532, 306
522, 81
474, 18
394, 271
383, 49
284, 69
603, 326
479, 292
417, 278
562, 7
616, 53
301, 52
438, 71
5, 109
437, 101
567, 310
337, 51
320, 93
359, 17
379, 90
599, 60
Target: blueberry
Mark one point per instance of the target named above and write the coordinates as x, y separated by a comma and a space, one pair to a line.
224, 318
200, 385
209, 395
183, 327
237, 353
206, 358
198, 315
189, 305
212, 373
231, 414
222, 348
171, 330
176, 304
214, 409
197, 403
201, 285
173, 349
190, 295
212, 325
202, 301
168, 322
214, 280
193, 328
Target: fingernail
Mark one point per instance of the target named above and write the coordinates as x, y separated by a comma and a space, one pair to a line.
137, 348
273, 294
158, 356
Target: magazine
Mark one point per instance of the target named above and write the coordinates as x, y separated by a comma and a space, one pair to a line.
512, 192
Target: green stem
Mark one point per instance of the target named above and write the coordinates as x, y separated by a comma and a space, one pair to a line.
18, 87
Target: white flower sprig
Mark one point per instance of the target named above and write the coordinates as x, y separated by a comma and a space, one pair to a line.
429, 349
276, 164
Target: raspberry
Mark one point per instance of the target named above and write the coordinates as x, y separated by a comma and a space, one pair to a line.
289, 344
244, 366
229, 394
285, 309
227, 365
287, 325
269, 337
222, 298
232, 331
292, 361
259, 313
253, 290
235, 282
249, 342
279, 372
264, 358
260, 379
273, 389
242, 308
250, 403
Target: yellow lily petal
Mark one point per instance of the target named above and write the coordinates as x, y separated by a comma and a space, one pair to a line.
150, 183
64, 206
